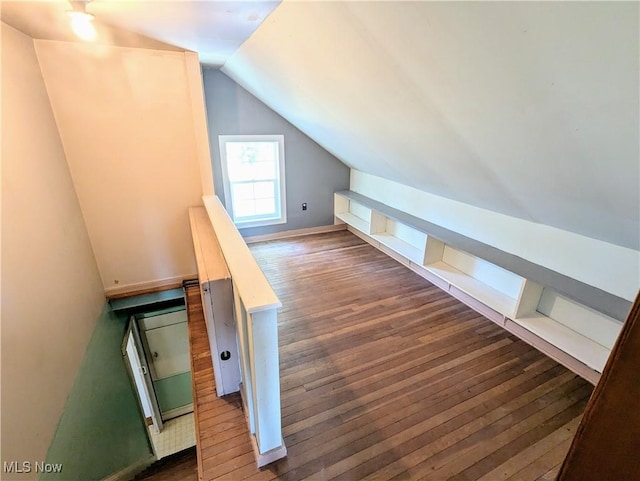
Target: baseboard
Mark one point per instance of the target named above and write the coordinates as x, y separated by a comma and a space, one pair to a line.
129, 472
295, 233
147, 287
270, 456
264, 458
174, 413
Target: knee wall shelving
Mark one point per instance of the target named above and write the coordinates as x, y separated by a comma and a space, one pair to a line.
578, 336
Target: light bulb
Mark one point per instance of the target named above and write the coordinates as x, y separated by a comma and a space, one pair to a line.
82, 25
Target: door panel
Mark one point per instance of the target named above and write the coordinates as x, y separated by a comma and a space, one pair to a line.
169, 349
146, 373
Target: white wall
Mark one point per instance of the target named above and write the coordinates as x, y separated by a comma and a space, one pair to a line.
51, 289
525, 108
607, 266
126, 120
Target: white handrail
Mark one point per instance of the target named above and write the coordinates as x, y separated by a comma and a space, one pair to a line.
255, 290
255, 312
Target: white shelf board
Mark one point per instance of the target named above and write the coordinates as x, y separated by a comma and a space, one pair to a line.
401, 247
590, 296
354, 221
575, 344
489, 296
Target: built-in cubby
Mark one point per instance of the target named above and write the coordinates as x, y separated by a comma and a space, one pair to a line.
404, 240
581, 332
495, 287
353, 213
572, 333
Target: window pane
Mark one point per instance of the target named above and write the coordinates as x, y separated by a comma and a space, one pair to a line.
266, 206
266, 151
240, 171
243, 192
251, 160
253, 168
244, 208
264, 170
264, 189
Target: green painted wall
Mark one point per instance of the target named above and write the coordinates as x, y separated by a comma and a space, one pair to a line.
173, 392
101, 429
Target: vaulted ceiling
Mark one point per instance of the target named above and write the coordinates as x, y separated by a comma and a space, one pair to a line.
525, 108
530, 109
213, 28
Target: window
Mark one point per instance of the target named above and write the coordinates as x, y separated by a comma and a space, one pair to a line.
253, 171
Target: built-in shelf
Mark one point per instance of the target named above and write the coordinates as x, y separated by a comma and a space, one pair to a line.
582, 348
403, 248
493, 298
521, 296
354, 221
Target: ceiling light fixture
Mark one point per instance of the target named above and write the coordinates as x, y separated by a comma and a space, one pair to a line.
81, 20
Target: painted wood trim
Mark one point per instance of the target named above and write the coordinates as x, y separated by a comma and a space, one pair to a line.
255, 311
179, 411
254, 288
553, 352
265, 377
203, 151
246, 386
590, 296
262, 459
586, 350
130, 471
149, 287
209, 258
294, 233
354, 221
528, 298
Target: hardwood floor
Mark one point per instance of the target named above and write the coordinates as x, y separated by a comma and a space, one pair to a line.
384, 376
177, 467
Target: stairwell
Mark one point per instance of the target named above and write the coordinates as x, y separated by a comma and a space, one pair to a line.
182, 466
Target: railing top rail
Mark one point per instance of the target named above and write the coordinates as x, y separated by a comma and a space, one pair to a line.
253, 287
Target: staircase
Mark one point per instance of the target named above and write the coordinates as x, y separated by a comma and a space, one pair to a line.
182, 466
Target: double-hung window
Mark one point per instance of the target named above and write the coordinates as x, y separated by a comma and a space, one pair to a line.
254, 186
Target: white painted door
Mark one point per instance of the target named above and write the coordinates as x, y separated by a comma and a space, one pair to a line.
167, 340
139, 361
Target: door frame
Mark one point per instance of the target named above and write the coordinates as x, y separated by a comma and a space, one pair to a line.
149, 391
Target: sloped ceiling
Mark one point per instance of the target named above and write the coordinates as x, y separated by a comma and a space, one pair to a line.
526, 108
213, 28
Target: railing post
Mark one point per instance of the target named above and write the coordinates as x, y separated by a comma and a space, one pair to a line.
255, 309
265, 377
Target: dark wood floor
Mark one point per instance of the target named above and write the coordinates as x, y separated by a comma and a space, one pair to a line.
384, 376
177, 467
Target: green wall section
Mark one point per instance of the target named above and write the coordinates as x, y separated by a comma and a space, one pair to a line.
101, 430
173, 392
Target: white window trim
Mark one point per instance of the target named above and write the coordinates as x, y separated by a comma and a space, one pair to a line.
222, 140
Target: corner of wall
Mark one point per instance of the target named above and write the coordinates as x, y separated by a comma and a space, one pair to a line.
101, 430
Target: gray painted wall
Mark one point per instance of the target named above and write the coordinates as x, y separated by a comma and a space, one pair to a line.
312, 173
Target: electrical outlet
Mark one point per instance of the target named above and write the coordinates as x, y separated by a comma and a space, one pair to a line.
304, 206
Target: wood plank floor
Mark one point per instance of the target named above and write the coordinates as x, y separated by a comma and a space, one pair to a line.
176, 467
384, 376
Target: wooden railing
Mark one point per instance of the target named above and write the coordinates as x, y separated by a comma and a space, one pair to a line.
255, 311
